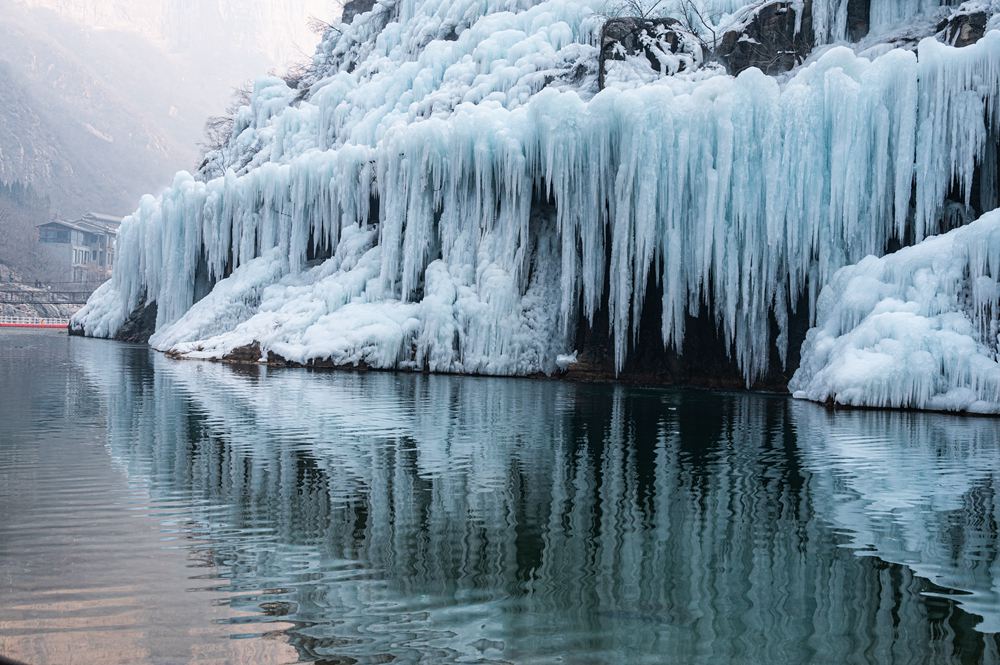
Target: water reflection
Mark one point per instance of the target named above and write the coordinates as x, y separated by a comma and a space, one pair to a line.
913, 489
432, 519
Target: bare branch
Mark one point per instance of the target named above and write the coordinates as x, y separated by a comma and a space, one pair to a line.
219, 128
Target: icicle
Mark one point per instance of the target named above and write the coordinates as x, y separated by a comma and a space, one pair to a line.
512, 204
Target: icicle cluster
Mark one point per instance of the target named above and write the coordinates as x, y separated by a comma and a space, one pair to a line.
917, 329
830, 17
510, 202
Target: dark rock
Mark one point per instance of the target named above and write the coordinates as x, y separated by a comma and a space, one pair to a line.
858, 15
249, 354
768, 39
252, 354
140, 325
962, 29
354, 7
631, 36
704, 360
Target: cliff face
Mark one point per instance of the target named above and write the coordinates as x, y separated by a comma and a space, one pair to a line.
447, 188
69, 125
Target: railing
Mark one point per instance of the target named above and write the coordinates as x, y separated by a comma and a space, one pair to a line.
38, 297
32, 322
90, 284
47, 293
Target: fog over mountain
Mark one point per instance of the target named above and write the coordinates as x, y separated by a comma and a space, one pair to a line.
275, 29
103, 100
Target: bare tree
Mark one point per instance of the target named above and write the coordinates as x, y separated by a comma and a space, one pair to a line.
637, 8
321, 27
698, 26
21, 211
219, 128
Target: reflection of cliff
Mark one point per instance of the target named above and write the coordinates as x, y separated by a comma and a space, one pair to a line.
418, 515
914, 490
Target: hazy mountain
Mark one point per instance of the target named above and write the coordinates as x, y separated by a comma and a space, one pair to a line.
276, 29
102, 101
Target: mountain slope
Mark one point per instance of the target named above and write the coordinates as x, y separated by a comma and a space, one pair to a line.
450, 190
103, 100
277, 30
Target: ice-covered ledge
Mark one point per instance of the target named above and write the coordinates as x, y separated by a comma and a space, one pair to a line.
449, 192
914, 329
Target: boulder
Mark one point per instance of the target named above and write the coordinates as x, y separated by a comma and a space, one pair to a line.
663, 43
770, 37
354, 7
140, 325
963, 27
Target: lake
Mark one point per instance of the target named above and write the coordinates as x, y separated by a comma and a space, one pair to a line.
162, 511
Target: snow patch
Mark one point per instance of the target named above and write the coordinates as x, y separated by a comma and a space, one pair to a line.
915, 329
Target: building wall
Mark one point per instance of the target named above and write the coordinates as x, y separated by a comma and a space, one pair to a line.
58, 266
76, 256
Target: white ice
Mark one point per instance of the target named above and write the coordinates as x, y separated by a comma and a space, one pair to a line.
915, 329
511, 200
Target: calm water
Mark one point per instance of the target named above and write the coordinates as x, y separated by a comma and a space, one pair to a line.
155, 511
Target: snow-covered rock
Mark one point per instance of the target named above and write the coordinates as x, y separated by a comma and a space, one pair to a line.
507, 200
661, 45
968, 22
915, 329
775, 37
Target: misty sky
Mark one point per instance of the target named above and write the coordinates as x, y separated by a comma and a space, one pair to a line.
112, 95
276, 29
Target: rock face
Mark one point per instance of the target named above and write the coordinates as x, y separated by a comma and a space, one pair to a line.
140, 325
660, 40
703, 361
963, 28
858, 18
773, 39
354, 7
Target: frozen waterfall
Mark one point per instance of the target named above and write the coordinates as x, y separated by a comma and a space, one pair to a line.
449, 193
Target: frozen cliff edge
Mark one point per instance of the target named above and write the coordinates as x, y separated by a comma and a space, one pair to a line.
448, 193
915, 329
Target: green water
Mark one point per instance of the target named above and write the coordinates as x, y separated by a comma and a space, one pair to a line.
180, 512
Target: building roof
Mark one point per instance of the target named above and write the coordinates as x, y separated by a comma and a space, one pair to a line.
67, 224
101, 218
92, 222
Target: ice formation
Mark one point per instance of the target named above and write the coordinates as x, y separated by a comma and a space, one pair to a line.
478, 197
830, 17
918, 328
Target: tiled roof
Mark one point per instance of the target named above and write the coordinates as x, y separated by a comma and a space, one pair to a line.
90, 223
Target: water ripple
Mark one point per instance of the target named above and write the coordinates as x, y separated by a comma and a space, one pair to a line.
156, 511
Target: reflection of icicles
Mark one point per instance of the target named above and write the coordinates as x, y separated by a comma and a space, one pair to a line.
901, 484
556, 519
735, 192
